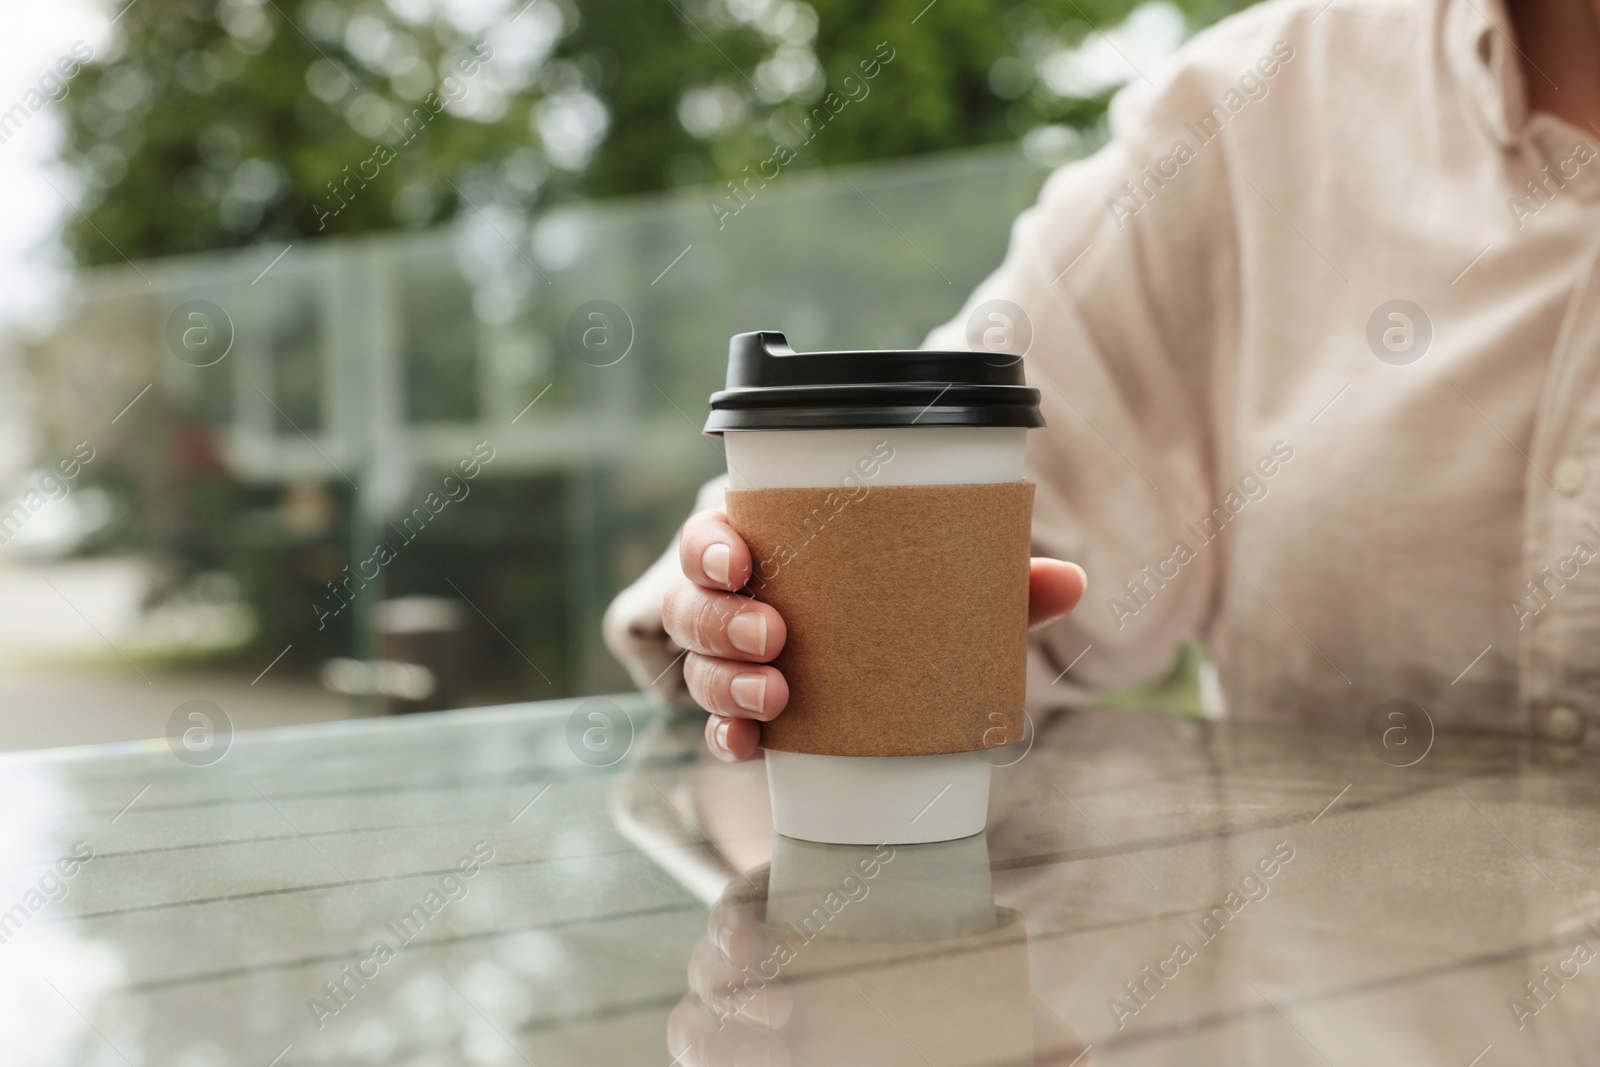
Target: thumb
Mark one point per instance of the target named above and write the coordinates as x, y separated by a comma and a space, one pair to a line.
1054, 589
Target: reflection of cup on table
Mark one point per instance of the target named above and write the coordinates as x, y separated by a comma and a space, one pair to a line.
882, 497
861, 954
921, 893
898, 955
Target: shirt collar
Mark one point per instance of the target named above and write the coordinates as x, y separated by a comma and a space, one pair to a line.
1480, 46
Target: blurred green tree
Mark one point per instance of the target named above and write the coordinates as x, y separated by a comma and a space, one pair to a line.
216, 123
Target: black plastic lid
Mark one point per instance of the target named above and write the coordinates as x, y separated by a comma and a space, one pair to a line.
773, 387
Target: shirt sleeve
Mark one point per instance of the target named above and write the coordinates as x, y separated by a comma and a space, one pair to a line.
1125, 274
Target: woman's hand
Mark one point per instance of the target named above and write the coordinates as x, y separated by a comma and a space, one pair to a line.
730, 638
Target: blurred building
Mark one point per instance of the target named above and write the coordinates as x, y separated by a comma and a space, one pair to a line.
496, 424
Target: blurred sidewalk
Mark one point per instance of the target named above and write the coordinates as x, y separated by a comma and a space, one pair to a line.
47, 707
65, 628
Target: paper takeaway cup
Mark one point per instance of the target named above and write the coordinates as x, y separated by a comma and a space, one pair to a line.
882, 497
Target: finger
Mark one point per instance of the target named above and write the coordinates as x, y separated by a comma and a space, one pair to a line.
688, 1025
712, 976
1054, 589
738, 991
725, 625
734, 927
735, 689
732, 740
699, 1037
712, 553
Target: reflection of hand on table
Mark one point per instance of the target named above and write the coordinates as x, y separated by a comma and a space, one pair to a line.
731, 1015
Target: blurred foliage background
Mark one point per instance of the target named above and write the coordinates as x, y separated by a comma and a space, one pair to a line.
219, 123
456, 180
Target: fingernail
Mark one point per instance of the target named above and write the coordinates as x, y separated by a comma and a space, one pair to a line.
715, 560
769, 1006
722, 735
748, 632
749, 690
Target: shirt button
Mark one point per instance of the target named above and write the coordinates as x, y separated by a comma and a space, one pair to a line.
1564, 725
1570, 474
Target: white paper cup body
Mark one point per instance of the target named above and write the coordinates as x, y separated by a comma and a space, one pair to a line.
876, 799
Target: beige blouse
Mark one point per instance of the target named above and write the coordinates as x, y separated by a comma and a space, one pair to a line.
1316, 334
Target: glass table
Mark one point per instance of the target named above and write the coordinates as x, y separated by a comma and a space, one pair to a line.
578, 883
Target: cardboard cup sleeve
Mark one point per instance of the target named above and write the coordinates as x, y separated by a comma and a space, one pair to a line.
907, 613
